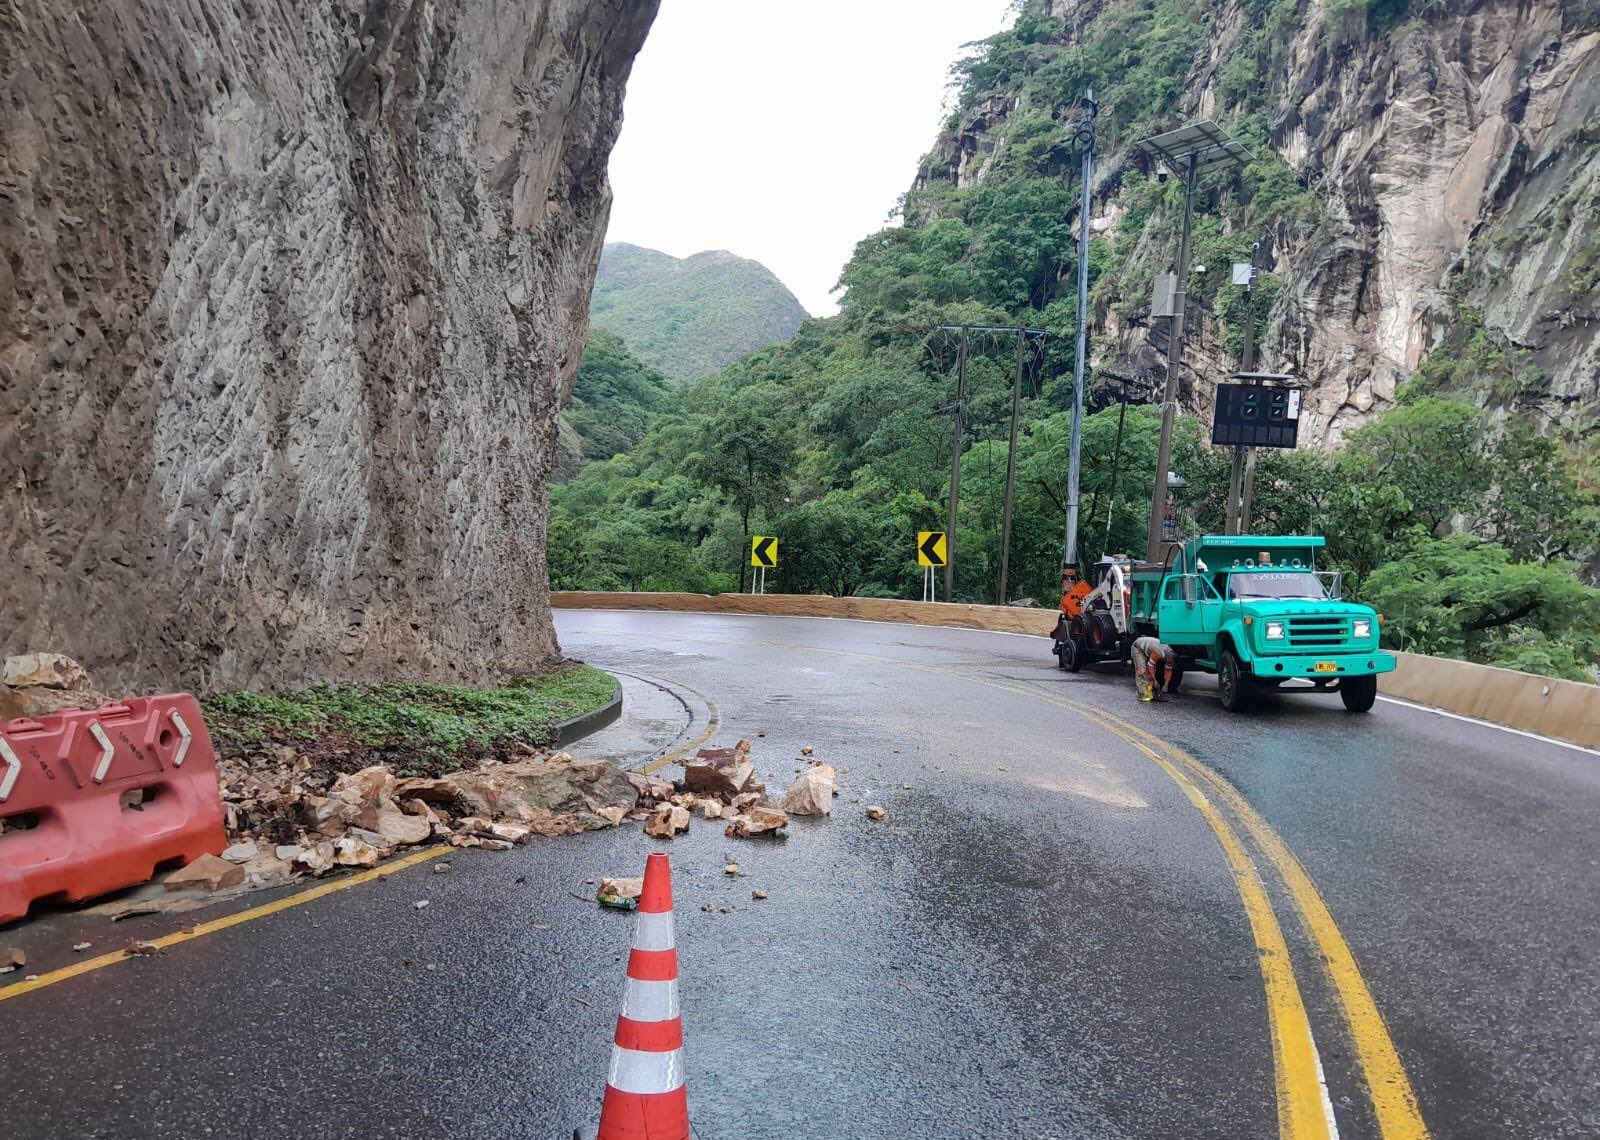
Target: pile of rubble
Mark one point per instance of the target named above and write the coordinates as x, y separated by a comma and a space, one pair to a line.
294, 818
720, 783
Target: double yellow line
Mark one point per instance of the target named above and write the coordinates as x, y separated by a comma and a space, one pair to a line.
1304, 1111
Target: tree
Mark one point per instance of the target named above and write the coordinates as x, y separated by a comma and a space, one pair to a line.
746, 452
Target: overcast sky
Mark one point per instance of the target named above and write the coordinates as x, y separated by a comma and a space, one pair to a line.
784, 131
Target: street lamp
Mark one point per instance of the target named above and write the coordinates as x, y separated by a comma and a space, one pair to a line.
1199, 148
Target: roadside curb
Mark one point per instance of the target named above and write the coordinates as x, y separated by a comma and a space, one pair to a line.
576, 728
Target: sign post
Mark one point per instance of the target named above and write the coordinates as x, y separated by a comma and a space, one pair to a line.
764, 557
933, 550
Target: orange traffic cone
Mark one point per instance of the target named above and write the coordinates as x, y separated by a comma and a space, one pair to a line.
645, 1095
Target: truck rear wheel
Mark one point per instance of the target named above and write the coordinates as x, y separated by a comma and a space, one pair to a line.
1358, 693
1233, 685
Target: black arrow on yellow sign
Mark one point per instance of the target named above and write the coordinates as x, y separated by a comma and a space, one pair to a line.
764, 551
931, 548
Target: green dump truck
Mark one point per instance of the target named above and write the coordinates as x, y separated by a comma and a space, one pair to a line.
1252, 609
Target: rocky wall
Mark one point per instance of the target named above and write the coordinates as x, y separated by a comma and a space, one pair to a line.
290, 297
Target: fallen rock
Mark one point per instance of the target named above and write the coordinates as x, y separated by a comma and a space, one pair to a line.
207, 873
759, 819
12, 958
650, 787
524, 788
732, 869
318, 858
35, 701
241, 852
613, 814
719, 771
401, 830
668, 820
758, 894
812, 792
875, 812
511, 832
352, 852
711, 809
45, 671
619, 890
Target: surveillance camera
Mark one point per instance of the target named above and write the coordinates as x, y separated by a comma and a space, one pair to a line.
1162, 173
1200, 270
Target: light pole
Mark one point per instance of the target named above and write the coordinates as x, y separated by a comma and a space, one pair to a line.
1238, 519
1191, 151
1069, 553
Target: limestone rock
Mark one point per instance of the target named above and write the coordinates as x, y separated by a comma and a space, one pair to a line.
45, 670
812, 792
257, 330
758, 819
668, 820
207, 873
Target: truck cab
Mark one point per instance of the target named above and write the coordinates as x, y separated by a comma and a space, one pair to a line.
1257, 612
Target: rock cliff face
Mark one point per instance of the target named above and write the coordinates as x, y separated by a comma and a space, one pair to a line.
1455, 159
290, 297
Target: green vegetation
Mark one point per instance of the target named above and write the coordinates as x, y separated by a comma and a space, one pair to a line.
693, 316
1466, 532
421, 728
614, 398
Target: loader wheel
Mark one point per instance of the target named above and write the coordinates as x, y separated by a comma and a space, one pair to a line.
1233, 686
1070, 654
1358, 693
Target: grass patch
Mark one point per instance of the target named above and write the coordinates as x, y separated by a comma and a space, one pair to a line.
416, 728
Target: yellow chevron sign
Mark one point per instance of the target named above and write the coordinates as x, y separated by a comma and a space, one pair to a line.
931, 548
763, 551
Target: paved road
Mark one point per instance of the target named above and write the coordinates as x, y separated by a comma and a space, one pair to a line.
1083, 917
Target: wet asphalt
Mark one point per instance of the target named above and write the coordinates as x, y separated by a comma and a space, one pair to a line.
1042, 939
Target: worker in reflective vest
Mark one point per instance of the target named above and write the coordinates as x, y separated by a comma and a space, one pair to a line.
1152, 668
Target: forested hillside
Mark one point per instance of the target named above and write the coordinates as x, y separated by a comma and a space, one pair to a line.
689, 317
1458, 491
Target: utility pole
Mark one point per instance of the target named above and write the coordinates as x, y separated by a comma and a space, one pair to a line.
1238, 519
1194, 150
955, 470
1169, 396
1011, 470
1069, 554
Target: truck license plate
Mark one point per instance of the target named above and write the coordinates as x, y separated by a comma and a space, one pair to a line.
1326, 666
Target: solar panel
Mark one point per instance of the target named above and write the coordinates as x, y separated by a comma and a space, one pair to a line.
1210, 145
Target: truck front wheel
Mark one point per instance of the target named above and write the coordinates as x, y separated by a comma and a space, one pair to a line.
1358, 693
1233, 686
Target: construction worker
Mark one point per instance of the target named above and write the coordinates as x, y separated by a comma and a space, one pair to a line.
1152, 668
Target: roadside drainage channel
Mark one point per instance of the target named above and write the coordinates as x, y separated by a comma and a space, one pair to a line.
657, 720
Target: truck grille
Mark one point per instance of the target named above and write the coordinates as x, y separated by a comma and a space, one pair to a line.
1318, 632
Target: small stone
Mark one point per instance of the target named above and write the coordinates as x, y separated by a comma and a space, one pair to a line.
241, 852
875, 812
12, 958
420, 904
732, 869
80, 947
441, 868
758, 894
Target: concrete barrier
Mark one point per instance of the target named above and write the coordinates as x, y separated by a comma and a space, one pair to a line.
1566, 710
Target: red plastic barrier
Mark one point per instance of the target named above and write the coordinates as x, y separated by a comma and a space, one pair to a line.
68, 828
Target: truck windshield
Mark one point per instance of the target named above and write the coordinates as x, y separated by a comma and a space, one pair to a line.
1275, 584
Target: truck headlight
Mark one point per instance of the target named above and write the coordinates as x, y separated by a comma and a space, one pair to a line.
1274, 631
1361, 628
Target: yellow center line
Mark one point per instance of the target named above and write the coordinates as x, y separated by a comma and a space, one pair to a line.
1303, 1109
322, 890
1393, 1099
713, 722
